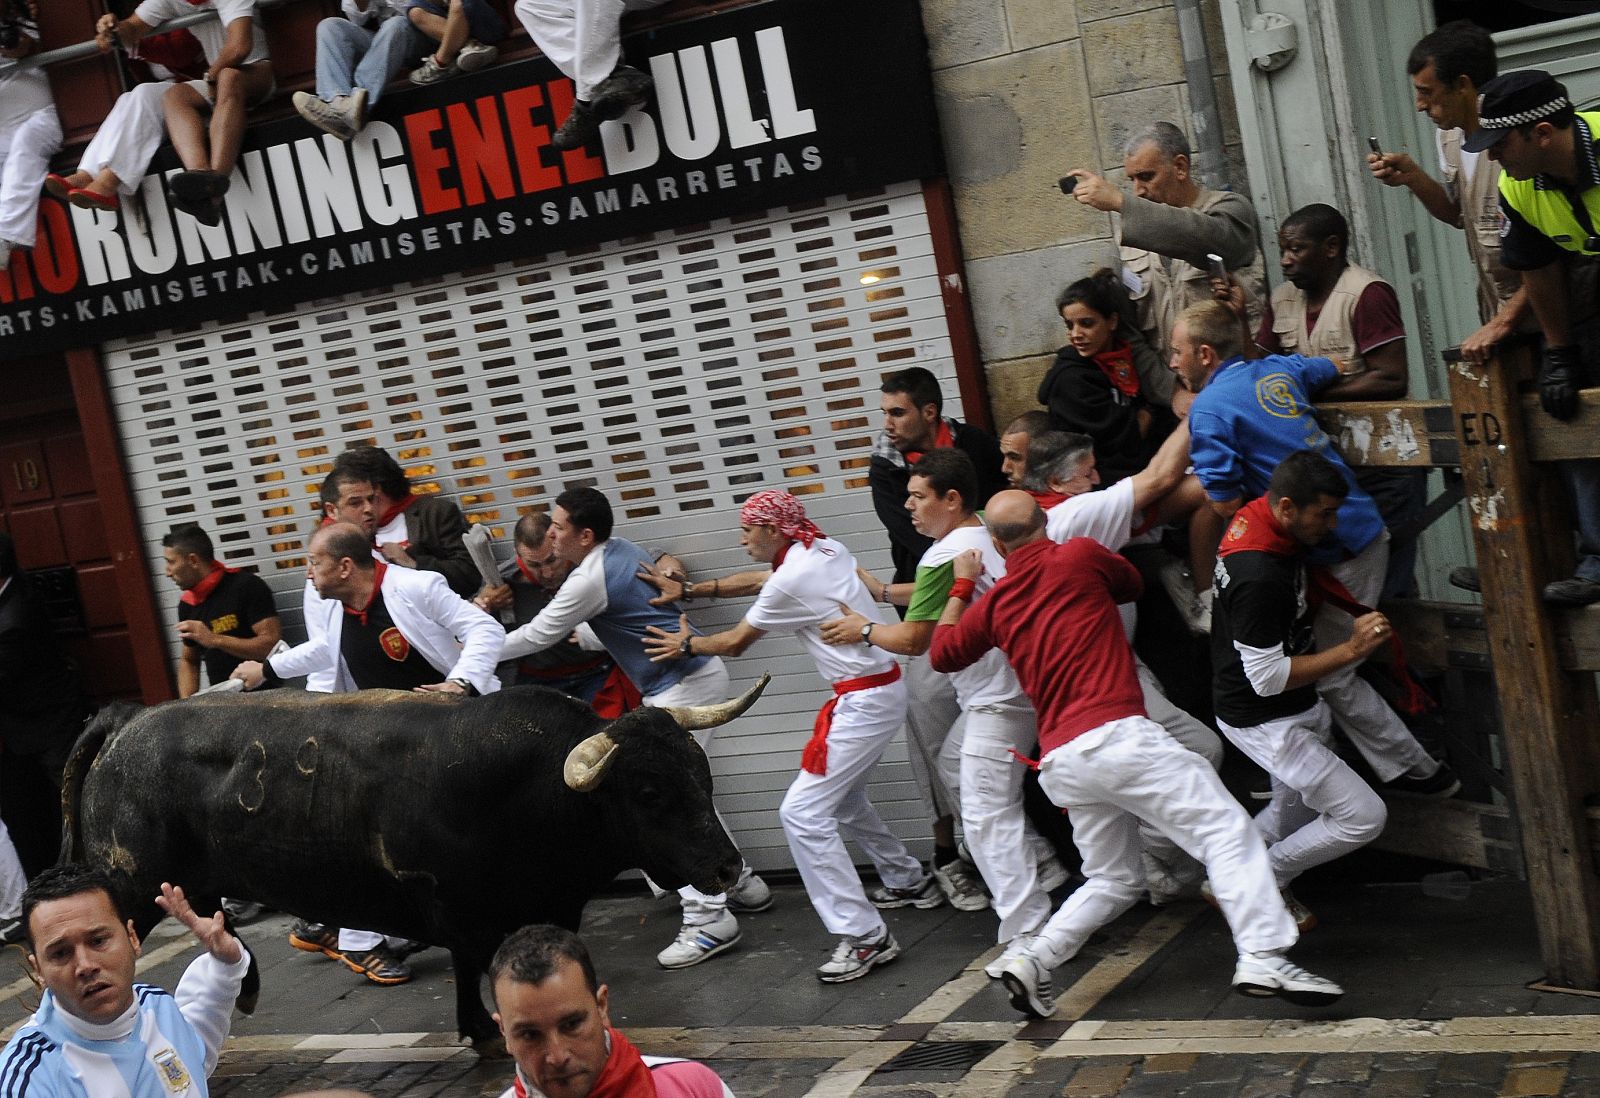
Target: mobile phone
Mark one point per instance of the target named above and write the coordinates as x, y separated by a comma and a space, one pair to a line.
1066, 183
1377, 149
1218, 270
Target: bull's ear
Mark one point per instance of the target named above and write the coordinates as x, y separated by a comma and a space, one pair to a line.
588, 762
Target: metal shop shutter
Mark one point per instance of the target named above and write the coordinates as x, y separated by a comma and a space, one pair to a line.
678, 373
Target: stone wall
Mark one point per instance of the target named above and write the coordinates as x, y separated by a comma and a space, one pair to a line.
1028, 89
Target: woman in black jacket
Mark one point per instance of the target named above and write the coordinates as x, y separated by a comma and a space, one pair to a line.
1093, 385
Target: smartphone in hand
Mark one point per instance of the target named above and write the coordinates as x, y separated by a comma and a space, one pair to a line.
1377, 149
1215, 265
1066, 183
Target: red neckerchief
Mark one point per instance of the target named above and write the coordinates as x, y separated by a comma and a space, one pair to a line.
394, 509
942, 439
202, 590
378, 569
1047, 500
1256, 528
1117, 364
624, 1076
527, 573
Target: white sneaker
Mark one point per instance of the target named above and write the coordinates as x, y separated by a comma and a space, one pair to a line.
1028, 983
1015, 948
475, 55
333, 117
1304, 918
358, 108
1195, 608
698, 943
1166, 883
1272, 973
959, 882
924, 896
749, 895
854, 957
431, 72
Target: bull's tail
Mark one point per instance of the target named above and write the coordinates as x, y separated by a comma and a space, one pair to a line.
109, 720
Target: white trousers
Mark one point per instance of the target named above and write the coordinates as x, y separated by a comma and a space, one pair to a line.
358, 942
128, 138
707, 686
582, 38
1320, 808
933, 736
1375, 729
12, 879
821, 811
1171, 863
25, 152
1130, 769
992, 816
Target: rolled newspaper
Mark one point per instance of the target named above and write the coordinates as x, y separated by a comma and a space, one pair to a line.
231, 686
476, 540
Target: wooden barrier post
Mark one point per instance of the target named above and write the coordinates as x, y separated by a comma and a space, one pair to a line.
1549, 715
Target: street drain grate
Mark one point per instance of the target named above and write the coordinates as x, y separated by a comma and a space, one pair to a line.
941, 1055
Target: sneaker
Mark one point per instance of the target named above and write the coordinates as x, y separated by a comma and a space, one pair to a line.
1442, 783
1466, 578
699, 943
12, 931
475, 55
1262, 791
1015, 948
1304, 918
431, 72
923, 896
380, 965
315, 938
749, 896
198, 185
242, 911
581, 125
1028, 983
961, 885
1572, 591
1166, 883
407, 947
1272, 973
854, 957
334, 117
625, 87
1194, 607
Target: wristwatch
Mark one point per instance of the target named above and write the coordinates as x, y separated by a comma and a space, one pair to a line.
470, 690
866, 633
687, 647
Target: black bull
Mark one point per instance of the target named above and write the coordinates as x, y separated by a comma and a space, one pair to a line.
449, 820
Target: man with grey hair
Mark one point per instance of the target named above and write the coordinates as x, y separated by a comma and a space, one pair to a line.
1169, 225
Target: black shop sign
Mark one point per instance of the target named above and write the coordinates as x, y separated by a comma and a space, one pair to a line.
765, 105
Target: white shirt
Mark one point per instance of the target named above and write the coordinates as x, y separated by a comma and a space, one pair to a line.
23, 90
1107, 517
805, 591
377, 11
990, 681
212, 34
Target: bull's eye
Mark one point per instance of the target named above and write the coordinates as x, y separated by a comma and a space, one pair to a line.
649, 796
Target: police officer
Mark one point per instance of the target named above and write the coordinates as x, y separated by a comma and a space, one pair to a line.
1550, 195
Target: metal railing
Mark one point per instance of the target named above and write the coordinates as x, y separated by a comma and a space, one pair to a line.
91, 48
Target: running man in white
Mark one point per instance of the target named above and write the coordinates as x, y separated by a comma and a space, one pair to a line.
812, 575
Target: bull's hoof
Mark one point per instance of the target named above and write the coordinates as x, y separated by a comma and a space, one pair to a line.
489, 1048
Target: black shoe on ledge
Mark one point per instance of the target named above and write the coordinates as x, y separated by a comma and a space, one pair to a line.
1440, 784
1466, 578
1573, 591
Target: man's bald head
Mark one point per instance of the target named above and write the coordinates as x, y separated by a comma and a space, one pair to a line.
1014, 519
339, 540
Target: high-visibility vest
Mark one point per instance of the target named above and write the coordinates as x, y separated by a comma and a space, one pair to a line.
1550, 212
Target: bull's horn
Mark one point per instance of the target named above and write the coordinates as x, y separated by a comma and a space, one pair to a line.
588, 762
695, 717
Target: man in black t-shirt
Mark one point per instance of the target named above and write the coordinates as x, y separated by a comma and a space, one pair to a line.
225, 616
1266, 670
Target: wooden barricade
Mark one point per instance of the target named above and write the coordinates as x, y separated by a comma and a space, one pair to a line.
1543, 657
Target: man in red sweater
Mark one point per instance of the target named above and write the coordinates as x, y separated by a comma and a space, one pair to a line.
1054, 615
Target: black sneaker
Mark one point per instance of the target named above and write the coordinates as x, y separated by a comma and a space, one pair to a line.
380, 965
1466, 578
625, 87
316, 938
12, 931
580, 126
1573, 591
1440, 784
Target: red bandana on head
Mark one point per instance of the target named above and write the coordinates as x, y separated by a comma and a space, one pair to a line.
202, 590
777, 508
